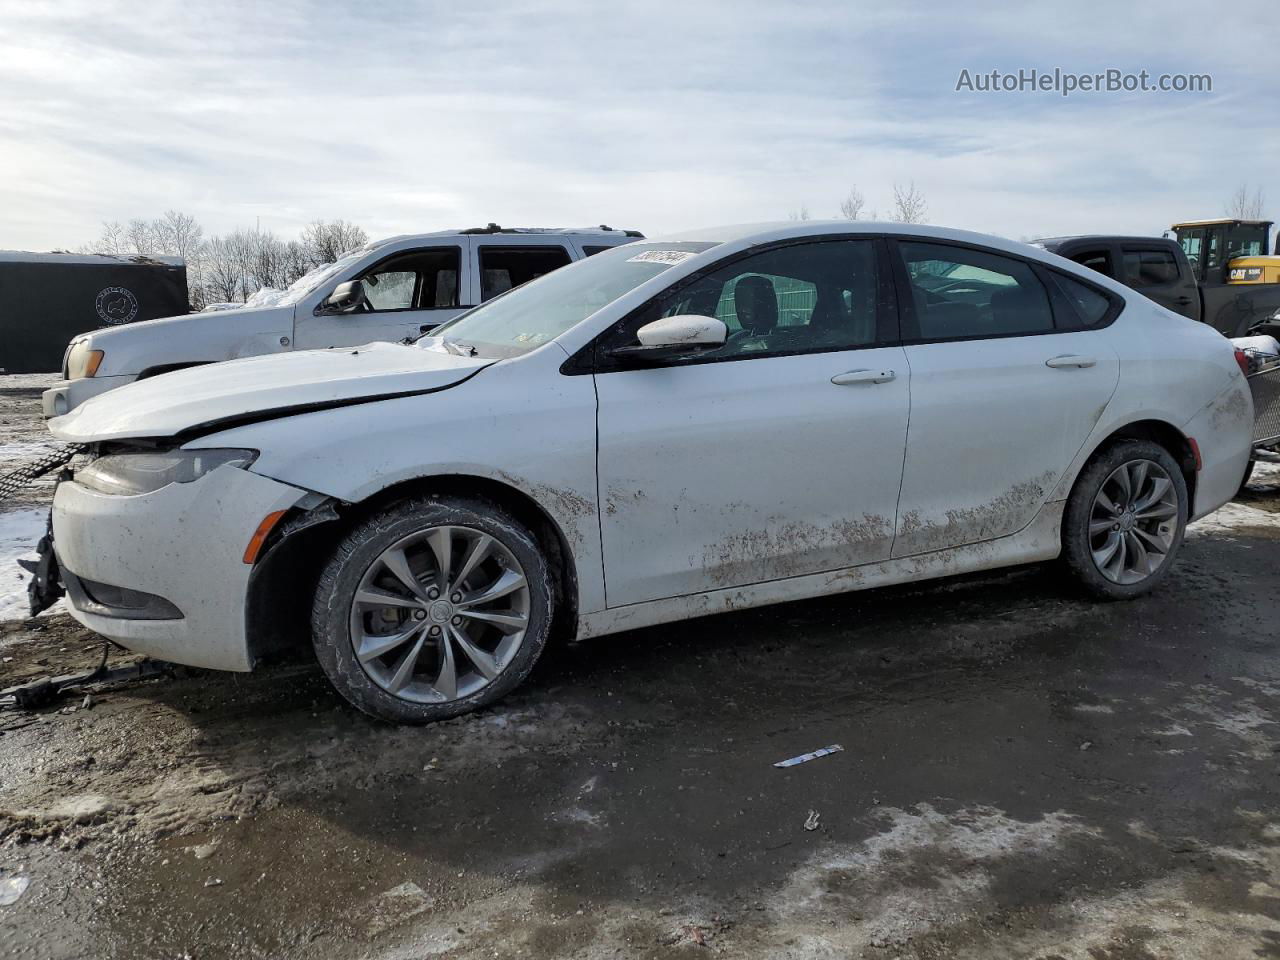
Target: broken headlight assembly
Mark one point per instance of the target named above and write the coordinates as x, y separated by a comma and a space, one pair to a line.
145, 471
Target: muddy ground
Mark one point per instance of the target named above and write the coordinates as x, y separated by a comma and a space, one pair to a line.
1025, 774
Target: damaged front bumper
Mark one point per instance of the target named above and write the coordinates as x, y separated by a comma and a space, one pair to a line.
45, 587
164, 573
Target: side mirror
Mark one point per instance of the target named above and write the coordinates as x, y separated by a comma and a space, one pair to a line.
674, 337
345, 298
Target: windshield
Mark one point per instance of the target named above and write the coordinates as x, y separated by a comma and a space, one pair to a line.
542, 309
271, 297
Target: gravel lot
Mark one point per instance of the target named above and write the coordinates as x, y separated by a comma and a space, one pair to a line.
1025, 774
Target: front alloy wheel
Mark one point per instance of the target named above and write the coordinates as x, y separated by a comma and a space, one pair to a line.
440, 614
432, 608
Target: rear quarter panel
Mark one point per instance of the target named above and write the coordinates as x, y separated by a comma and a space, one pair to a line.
1176, 371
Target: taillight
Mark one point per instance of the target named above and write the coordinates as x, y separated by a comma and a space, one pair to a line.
1242, 358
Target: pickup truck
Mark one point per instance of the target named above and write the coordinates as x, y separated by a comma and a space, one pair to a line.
1158, 268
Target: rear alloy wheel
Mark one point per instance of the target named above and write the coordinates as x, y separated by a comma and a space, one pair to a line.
1125, 520
435, 608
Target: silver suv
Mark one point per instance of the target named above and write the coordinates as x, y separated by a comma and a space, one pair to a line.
392, 289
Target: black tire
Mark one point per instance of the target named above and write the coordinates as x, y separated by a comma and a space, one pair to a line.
1076, 548
1248, 475
335, 592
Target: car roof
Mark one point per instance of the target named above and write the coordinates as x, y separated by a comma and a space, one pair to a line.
740, 237
750, 234
1099, 238
1209, 223
601, 232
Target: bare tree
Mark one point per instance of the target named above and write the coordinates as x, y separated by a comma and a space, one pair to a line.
294, 261
177, 235
801, 214
1244, 205
326, 242
221, 276
140, 238
851, 206
230, 268
909, 205
110, 241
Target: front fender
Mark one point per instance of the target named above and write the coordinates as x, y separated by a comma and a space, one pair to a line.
522, 425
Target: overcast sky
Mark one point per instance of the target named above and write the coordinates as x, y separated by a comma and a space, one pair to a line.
407, 117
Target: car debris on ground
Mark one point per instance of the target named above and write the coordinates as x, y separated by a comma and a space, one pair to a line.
806, 757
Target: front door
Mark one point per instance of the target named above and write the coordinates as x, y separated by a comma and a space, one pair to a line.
777, 455
406, 294
1002, 397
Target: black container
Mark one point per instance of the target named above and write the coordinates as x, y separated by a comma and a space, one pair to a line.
48, 298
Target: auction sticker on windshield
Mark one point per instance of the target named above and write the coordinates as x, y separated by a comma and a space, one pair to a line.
669, 257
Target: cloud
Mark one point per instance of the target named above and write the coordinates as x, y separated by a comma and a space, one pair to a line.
652, 115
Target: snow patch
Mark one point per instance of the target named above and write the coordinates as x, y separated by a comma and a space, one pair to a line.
1234, 518
880, 878
20, 530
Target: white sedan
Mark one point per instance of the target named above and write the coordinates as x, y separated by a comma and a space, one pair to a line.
673, 428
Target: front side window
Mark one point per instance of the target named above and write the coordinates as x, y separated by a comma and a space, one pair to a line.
800, 298
1149, 268
502, 268
962, 293
416, 280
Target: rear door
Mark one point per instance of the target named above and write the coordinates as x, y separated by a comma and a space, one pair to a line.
1155, 271
1004, 392
500, 261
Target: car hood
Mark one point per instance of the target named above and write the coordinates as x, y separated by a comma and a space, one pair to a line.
132, 348
188, 402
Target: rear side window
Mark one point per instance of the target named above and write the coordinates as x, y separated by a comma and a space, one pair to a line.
963, 293
592, 251
1078, 304
502, 268
1149, 268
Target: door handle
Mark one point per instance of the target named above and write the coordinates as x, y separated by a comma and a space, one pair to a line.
863, 376
1066, 360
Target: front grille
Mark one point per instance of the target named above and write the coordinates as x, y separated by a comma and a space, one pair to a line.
1265, 387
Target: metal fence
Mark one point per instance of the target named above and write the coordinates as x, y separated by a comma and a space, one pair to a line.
1265, 387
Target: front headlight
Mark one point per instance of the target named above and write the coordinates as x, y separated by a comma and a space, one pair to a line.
130, 474
83, 362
